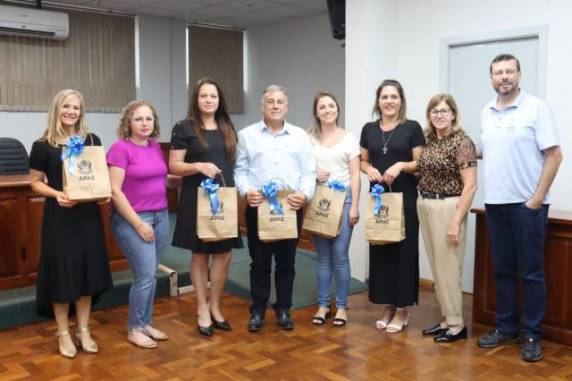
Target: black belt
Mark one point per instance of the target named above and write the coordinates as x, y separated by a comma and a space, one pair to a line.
436, 196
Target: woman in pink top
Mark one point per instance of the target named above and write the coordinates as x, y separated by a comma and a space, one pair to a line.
140, 221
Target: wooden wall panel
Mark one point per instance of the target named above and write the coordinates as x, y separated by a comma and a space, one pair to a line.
9, 236
21, 212
35, 213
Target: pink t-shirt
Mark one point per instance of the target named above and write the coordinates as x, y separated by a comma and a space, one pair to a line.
145, 184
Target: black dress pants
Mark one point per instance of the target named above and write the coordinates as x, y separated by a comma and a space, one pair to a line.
261, 253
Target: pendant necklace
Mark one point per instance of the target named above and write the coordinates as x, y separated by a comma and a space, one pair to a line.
385, 142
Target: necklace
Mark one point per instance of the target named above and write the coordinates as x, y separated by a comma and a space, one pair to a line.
385, 142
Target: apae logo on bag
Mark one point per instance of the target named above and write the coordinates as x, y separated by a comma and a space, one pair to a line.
275, 215
85, 168
219, 216
382, 217
323, 208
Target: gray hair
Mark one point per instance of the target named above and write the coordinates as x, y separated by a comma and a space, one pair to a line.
273, 88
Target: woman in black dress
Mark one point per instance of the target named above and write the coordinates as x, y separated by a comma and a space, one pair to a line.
390, 147
74, 267
204, 146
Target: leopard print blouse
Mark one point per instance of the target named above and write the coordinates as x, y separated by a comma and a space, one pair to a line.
441, 162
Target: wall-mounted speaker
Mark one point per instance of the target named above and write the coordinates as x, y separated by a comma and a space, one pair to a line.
337, 11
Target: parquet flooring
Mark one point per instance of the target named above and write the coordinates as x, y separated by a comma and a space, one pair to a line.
355, 352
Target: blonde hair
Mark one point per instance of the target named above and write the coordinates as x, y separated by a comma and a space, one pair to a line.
55, 132
124, 129
456, 127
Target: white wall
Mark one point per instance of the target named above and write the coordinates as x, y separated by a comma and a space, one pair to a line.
415, 31
300, 55
162, 82
367, 64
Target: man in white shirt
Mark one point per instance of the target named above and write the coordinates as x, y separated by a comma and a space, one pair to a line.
268, 150
521, 156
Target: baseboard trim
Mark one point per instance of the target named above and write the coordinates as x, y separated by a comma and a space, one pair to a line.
426, 284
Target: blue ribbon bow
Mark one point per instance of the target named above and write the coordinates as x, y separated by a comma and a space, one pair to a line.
211, 189
74, 148
336, 185
376, 192
270, 191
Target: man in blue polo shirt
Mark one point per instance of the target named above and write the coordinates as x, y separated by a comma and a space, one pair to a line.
268, 150
521, 156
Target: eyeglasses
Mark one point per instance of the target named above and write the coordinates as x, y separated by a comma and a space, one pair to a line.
444, 111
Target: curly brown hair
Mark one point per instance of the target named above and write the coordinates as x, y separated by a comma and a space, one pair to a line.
124, 129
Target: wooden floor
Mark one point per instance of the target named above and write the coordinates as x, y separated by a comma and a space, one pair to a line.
356, 352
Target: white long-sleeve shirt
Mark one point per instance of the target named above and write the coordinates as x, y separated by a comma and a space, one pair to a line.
286, 156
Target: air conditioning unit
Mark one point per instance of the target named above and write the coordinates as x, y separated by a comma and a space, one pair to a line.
33, 22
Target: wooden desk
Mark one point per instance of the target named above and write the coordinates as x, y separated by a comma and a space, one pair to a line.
21, 212
557, 324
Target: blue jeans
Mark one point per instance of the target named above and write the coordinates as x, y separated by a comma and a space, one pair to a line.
143, 259
333, 261
517, 236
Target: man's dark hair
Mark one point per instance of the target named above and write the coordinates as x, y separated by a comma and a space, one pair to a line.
504, 57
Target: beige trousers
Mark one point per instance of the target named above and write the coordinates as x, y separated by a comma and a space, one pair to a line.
446, 261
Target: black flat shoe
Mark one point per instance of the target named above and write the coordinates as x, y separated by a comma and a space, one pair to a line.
255, 323
435, 330
206, 331
222, 325
448, 337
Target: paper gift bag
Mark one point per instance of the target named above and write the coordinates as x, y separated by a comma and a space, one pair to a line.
87, 178
386, 224
217, 217
273, 225
324, 213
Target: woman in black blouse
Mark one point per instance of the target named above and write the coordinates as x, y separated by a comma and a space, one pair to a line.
390, 147
204, 146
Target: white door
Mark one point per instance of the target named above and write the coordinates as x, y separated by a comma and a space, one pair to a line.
468, 81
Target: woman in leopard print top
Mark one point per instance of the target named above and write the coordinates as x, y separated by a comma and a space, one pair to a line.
447, 185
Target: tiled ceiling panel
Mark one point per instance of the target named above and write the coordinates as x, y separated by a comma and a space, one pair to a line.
234, 13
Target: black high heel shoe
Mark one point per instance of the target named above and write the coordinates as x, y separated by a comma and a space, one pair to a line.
206, 331
222, 325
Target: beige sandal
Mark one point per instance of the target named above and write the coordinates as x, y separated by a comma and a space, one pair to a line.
393, 327
154, 333
87, 345
68, 353
139, 338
